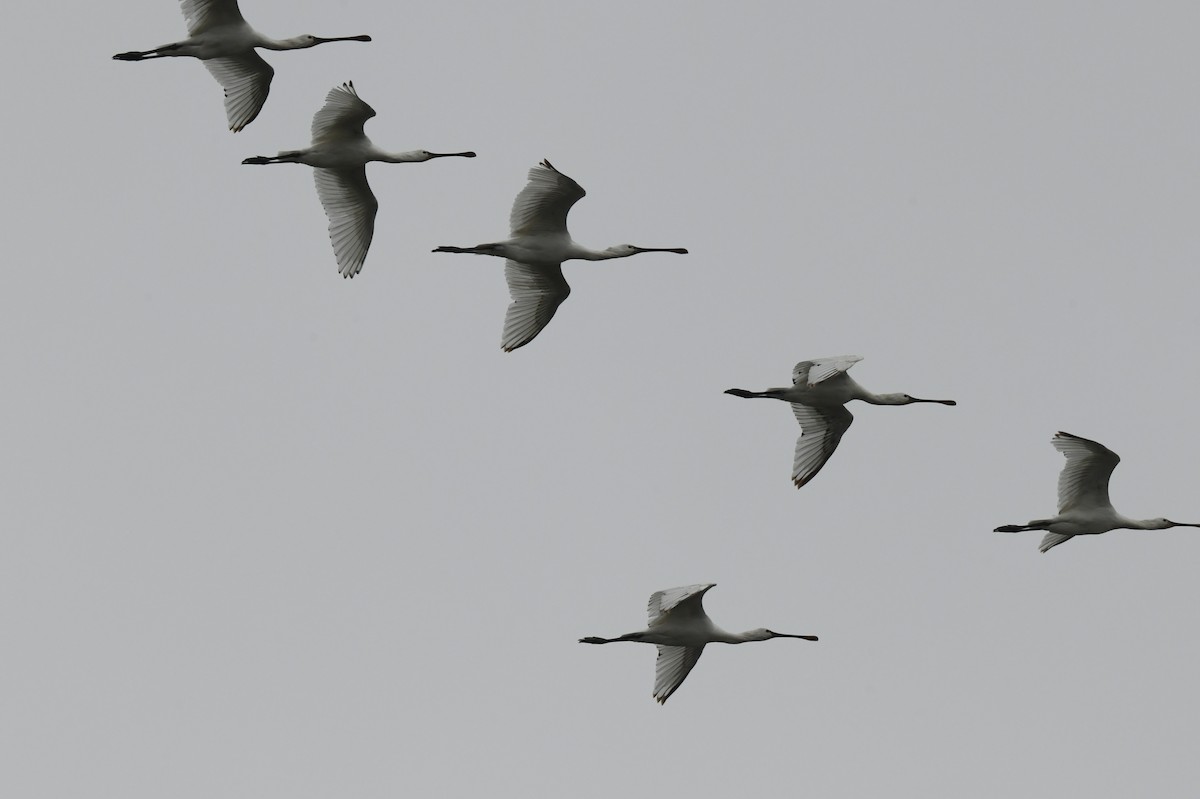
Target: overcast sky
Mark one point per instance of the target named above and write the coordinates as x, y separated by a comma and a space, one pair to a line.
272, 533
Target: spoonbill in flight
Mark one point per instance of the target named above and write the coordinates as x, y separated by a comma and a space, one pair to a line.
680, 628
340, 152
819, 392
221, 38
535, 252
1083, 504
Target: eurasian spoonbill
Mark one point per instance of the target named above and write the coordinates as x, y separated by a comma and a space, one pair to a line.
1083, 504
221, 38
680, 628
819, 392
340, 152
536, 249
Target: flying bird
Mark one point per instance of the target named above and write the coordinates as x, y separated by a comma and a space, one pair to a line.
538, 245
339, 153
680, 628
819, 392
221, 38
1083, 504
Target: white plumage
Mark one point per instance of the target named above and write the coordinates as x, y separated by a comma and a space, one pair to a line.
819, 392
219, 36
681, 629
1083, 504
339, 154
535, 252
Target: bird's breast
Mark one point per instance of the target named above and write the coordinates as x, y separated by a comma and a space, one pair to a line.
338, 153
538, 250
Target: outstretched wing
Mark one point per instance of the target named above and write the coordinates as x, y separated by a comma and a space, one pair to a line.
684, 602
351, 206
342, 116
1084, 479
672, 668
542, 205
246, 79
822, 430
1051, 540
203, 15
809, 373
536, 295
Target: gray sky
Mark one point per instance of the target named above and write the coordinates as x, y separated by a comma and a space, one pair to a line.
271, 533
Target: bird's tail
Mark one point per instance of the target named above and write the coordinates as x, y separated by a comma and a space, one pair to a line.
284, 157
482, 249
741, 392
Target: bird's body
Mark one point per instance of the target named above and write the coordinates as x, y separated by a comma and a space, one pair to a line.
219, 36
535, 252
339, 154
1084, 507
819, 392
681, 629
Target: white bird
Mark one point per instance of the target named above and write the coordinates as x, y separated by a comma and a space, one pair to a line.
680, 628
819, 392
538, 245
340, 152
1083, 504
221, 38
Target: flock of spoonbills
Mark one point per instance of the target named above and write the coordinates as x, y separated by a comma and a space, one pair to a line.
539, 243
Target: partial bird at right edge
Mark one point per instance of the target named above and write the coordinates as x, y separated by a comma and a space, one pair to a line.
536, 249
1083, 504
819, 392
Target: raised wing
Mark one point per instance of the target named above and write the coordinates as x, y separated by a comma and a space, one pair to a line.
542, 205
342, 116
203, 15
685, 601
822, 430
536, 295
350, 206
1051, 540
809, 373
1084, 480
247, 81
672, 668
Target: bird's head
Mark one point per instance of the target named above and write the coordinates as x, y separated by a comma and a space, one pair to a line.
416, 156
308, 40
763, 634
1163, 524
626, 250
908, 399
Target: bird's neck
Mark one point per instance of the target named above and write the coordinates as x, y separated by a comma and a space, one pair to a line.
722, 637
295, 43
883, 399
584, 254
398, 158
